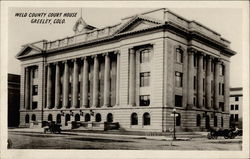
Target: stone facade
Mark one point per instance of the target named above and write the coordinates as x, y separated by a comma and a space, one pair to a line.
133, 73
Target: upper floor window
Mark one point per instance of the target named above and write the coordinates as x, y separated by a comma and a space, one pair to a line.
144, 100
179, 55
236, 107
222, 70
236, 98
232, 107
144, 79
35, 72
194, 82
145, 55
222, 89
178, 101
35, 90
178, 79
195, 61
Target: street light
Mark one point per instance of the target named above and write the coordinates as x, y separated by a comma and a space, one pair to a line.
174, 112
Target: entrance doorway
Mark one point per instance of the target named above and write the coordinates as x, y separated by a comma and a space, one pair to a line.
207, 122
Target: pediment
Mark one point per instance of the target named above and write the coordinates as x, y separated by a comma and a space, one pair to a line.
138, 23
28, 50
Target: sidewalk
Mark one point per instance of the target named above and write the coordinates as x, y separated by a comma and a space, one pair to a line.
100, 134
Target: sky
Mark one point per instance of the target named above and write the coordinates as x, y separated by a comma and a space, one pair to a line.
226, 21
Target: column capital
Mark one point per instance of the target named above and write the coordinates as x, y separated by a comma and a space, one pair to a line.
94, 56
84, 58
191, 50
65, 61
131, 50
117, 52
105, 54
201, 53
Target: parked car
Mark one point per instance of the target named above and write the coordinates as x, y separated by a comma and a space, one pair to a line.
52, 127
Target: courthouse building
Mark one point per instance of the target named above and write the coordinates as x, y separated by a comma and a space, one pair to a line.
133, 73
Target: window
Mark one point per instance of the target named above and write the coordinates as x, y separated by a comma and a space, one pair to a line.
77, 117
194, 82
67, 118
221, 105
236, 117
231, 118
222, 89
146, 119
33, 117
134, 119
87, 117
236, 98
34, 105
50, 117
145, 56
236, 107
198, 120
212, 66
203, 85
178, 79
144, 100
178, 120
204, 63
35, 73
98, 117
195, 61
215, 121
219, 88
194, 101
222, 122
178, 101
34, 90
179, 55
27, 118
222, 70
144, 79
58, 118
212, 86
232, 107
110, 118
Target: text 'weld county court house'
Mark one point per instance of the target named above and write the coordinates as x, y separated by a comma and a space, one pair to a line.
133, 73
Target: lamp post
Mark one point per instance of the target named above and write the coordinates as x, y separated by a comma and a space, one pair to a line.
174, 112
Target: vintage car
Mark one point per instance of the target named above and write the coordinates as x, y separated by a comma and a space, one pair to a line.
51, 127
226, 133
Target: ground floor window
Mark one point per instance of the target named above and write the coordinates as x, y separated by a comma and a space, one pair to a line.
58, 118
67, 118
215, 121
146, 119
98, 117
222, 122
27, 118
110, 118
87, 117
134, 119
50, 117
33, 117
77, 117
198, 120
178, 119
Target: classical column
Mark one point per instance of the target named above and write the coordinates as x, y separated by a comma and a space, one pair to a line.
107, 81
31, 91
190, 86
27, 88
49, 87
75, 84
200, 81
117, 77
66, 85
226, 86
95, 82
132, 76
85, 82
208, 82
216, 84
57, 86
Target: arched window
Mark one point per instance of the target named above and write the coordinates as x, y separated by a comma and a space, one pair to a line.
110, 118
215, 121
146, 119
134, 119
87, 117
178, 120
222, 122
27, 118
58, 118
77, 117
67, 118
33, 117
50, 117
98, 117
198, 120
179, 55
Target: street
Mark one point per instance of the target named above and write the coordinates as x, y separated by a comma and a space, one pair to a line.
35, 140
